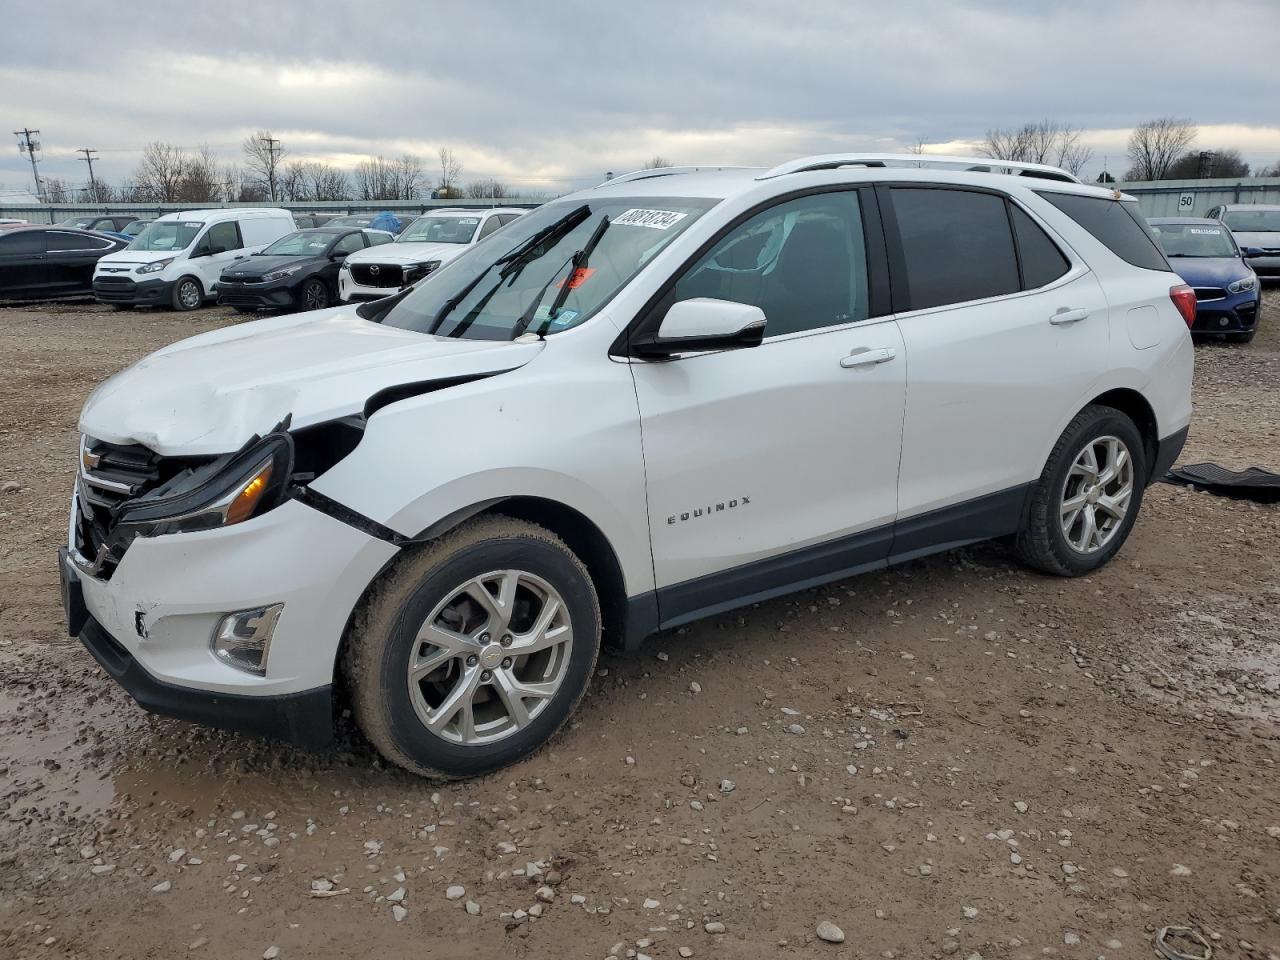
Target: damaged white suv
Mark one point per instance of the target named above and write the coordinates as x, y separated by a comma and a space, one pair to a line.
672, 395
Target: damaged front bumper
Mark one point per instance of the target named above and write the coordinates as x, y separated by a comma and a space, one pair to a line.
152, 622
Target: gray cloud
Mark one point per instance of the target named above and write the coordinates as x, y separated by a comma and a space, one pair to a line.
564, 90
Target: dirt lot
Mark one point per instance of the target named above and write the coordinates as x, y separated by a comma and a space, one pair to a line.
953, 758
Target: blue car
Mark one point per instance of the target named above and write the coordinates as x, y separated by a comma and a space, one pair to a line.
1206, 256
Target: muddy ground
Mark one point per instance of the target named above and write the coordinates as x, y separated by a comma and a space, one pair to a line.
957, 757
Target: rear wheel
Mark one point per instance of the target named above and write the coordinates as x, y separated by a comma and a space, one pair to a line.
187, 294
475, 651
1088, 496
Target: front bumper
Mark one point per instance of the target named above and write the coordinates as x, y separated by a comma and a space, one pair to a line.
1167, 452
1232, 314
162, 602
123, 289
351, 292
278, 295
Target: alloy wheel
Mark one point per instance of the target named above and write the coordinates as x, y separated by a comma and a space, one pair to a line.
490, 657
1097, 494
314, 297
189, 294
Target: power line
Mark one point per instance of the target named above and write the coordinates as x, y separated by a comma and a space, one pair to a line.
30, 146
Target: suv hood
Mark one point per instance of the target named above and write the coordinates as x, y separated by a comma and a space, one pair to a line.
210, 394
407, 252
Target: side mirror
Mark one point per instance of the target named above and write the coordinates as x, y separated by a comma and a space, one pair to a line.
1251, 251
337, 255
703, 324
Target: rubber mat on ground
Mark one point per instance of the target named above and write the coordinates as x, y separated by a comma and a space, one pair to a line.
1251, 484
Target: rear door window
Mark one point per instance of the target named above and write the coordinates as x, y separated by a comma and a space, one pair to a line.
22, 242
59, 241
956, 244
1042, 261
490, 225
1116, 224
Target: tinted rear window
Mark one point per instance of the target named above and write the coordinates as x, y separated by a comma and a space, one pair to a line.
1115, 224
1042, 261
957, 245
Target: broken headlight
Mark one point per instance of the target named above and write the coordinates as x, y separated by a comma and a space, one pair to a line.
225, 491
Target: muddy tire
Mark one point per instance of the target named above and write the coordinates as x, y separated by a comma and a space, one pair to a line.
1087, 498
474, 650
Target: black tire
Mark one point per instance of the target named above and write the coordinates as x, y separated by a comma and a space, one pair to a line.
314, 295
1245, 337
123, 306
1041, 543
182, 298
383, 638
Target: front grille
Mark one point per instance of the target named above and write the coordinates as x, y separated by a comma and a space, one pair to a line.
238, 296
114, 288
1210, 293
110, 475
377, 274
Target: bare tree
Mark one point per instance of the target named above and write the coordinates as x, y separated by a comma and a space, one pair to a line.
56, 190
1202, 164
917, 147
490, 189
1273, 171
99, 191
373, 179
1072, 155
1045, 141
263, 155
408, 177
656, 161
200, 180
1156, 144
450, 172
159, 173
325, 182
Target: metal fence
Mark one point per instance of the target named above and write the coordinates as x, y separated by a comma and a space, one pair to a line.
56, 212
1194, 198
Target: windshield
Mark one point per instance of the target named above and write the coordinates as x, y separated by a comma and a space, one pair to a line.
1194, 240
502, 286
135, 228
80, 222
349, 221
1253, 221
299, 244
166, 235
440, 230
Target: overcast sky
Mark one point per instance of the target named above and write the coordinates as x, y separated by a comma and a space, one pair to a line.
547, 96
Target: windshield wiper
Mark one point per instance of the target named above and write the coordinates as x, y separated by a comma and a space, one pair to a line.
513, 261
579, 261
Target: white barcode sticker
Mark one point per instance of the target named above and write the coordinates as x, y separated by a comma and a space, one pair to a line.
657, 219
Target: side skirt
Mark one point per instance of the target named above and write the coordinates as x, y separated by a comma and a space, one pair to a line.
985, 518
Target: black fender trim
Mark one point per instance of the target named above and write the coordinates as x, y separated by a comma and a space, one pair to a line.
352, 518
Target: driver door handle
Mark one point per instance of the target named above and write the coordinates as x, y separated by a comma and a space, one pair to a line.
867, 357
1066, 315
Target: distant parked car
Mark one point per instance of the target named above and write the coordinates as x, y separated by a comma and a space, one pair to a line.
135, 228
423, 247
11, 222
299, 270
177, 259
38, 262
1256, 227
99, 221
1206, 255
306, 220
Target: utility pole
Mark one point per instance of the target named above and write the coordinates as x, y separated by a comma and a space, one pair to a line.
90, 156
31, 146
271, 143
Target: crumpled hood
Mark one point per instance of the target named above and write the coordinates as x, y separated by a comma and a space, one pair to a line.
211, 393
407, 252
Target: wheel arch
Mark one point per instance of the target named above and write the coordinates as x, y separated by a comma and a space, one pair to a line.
1137, 408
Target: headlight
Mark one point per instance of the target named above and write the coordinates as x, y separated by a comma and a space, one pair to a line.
280, 274
155, 266
416, 271
1240, 286
226, 491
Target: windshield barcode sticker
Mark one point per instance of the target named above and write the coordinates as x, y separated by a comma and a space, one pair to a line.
657, 219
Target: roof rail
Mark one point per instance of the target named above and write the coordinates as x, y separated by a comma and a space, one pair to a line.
830, 161
660, 172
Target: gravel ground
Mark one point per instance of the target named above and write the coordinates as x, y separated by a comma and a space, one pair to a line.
956, 757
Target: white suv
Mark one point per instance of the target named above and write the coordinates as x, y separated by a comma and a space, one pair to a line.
672, 395
422, 247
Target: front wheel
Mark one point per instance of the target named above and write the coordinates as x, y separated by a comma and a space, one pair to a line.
1088, 496
187, 294
475, 650
314, 295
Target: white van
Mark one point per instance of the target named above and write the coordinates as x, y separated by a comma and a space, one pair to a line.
177, 259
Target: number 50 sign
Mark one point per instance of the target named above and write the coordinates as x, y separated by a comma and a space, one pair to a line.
1186, 202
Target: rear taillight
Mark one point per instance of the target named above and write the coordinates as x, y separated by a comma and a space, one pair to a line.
1184, 298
